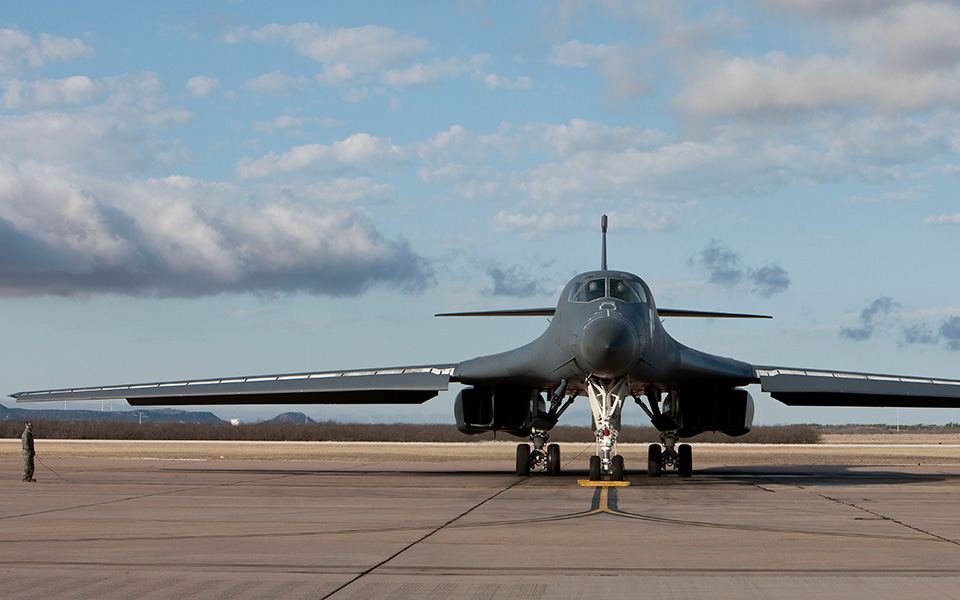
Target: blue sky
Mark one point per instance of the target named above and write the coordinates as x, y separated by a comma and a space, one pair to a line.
223, 188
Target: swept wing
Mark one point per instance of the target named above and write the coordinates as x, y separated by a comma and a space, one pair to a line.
549, 312
811, 387
400, 385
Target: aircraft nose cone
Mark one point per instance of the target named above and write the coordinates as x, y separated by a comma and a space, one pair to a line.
609, 346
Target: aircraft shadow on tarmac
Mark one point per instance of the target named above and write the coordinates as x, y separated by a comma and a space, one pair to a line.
801, 476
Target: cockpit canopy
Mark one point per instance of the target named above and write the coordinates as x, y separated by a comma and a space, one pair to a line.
626, 290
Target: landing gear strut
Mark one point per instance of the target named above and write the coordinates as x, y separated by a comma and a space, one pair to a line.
670, 454
679, 457
606, 398
542, 455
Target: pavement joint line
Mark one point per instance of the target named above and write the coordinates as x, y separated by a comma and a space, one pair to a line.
128, 498
414, 543
604, 496
891, 519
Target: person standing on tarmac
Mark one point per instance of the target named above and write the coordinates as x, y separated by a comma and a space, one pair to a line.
28, 452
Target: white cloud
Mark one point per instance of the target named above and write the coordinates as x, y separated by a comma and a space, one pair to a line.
943, 220
359, 151
203, 86
581, 135
117, 136
282, 122
576, 54
276, 83
895, 57
777, 86
832, 8
914, 36
40, 93
534, 225
361, 190
495, 82
422, 75
449, 171
183, 237
18, 48
344, 52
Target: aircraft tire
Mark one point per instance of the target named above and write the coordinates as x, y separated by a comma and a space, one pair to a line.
654, 460
617, 468
594, 468
685, 460
523, 460
553, 459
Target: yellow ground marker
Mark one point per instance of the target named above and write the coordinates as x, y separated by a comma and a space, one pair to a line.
588, 483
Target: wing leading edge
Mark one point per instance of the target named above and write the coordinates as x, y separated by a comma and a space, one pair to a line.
401, 385
808, 387
549, 312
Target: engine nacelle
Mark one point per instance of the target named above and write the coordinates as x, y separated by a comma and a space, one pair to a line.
699, 410
508, 409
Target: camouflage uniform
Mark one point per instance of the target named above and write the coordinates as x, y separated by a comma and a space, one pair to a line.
28, 453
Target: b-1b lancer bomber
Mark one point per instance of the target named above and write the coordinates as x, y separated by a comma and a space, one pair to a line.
605, 341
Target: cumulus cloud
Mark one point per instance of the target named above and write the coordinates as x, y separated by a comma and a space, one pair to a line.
422, 75
832, 8
779, 86
202, 86
496, 82
950, 331
943, 219
576, 54
515, 282
277, 83
18, 49
361, 190
534, 225
180, 237
113, 136
726, 268
290, 123
359, 151
917, 35
46, 93
900, 57
344, 52
870, 318
886, 316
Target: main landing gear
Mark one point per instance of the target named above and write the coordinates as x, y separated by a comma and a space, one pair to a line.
542, 455
663, 415
659, 458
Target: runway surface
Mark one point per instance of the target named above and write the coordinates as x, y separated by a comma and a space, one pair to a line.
469, 528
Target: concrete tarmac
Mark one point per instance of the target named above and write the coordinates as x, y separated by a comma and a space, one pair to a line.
469, 528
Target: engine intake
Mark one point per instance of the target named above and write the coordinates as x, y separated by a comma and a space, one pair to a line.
725, 410
508, 409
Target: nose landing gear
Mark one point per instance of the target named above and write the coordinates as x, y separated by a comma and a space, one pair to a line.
606, 403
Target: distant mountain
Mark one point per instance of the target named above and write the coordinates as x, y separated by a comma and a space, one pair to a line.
162, 415
290, 417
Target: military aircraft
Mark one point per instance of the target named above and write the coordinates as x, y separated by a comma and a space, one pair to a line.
606, 342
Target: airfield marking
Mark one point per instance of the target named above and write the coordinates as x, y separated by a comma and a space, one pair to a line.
591, 483
604, 501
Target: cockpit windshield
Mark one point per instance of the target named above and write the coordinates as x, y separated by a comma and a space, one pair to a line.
590, 290
621, 289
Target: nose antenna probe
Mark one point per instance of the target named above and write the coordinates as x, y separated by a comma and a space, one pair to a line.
603, 229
